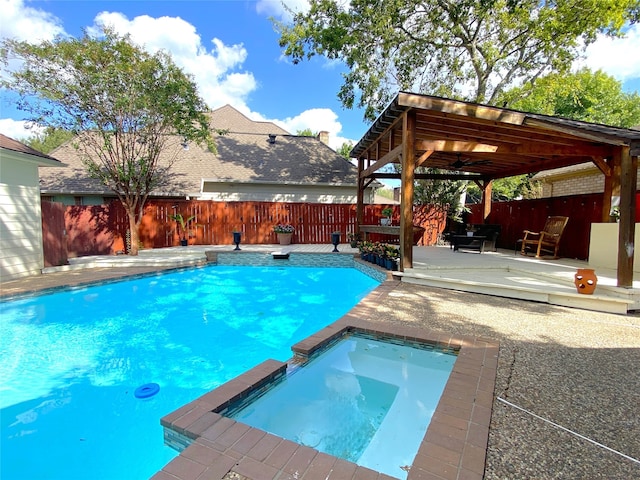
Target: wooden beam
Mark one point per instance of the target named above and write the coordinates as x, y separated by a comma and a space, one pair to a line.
388, 158
433, 176
602, 164
626, 237
578, 150
454, 146
406, 190
486, 186
380, 134
460, 108
423, 158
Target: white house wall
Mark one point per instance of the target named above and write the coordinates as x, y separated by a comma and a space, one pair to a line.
20, 219
231, 192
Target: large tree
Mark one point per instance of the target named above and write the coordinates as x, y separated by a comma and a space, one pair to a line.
345, 149
583, 95
467, 49
48, 140
125, 105
307, 132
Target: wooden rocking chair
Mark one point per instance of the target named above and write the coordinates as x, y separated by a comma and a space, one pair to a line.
548, 239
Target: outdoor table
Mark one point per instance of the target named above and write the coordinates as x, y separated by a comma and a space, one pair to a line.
467, 242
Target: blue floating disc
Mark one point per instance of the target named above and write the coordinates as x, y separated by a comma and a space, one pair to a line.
147, 390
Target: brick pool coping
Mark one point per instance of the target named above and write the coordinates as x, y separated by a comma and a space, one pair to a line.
454, 445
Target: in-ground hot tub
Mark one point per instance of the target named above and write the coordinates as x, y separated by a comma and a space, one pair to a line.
364, 400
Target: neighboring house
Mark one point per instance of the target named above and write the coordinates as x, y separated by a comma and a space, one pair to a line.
20, 210
256, 161
573, 180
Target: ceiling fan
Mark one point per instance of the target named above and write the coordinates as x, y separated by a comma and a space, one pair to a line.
459, 163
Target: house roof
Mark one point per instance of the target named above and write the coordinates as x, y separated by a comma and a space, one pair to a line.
15, 146
571, 170
251, 152
489, 141
228, 118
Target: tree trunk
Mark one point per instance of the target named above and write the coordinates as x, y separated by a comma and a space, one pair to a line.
133, 231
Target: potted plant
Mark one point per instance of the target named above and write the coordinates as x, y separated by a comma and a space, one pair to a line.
386, 214
366, 249
183, 228
392, 254
284, 231
470, 230
354, 238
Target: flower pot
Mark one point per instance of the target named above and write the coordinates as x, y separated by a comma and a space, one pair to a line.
184, 242
385, 221
236, 239
586, 281
284, 238
335, 240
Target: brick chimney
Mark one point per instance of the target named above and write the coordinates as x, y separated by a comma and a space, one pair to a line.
323, 136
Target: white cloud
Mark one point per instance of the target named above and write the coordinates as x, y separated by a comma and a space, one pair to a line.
217, 71
276, 8
17, 129
317, 120
616, 56
21, 22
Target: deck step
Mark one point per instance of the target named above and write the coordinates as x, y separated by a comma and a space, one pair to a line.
519, 285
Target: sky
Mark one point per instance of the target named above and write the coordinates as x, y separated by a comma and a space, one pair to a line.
231, 48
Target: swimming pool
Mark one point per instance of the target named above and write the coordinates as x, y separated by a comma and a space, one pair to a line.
70, 361
364, 400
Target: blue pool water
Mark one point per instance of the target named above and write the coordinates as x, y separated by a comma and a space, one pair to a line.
71, 361
364, 400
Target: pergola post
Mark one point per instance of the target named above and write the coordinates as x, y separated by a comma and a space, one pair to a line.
406, 189
360, 196
627, 227
611, 187
487, 187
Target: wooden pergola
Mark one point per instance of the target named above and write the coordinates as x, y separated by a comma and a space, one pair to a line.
482, 143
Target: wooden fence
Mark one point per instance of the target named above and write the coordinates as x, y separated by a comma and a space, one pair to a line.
519, 215
102, 230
